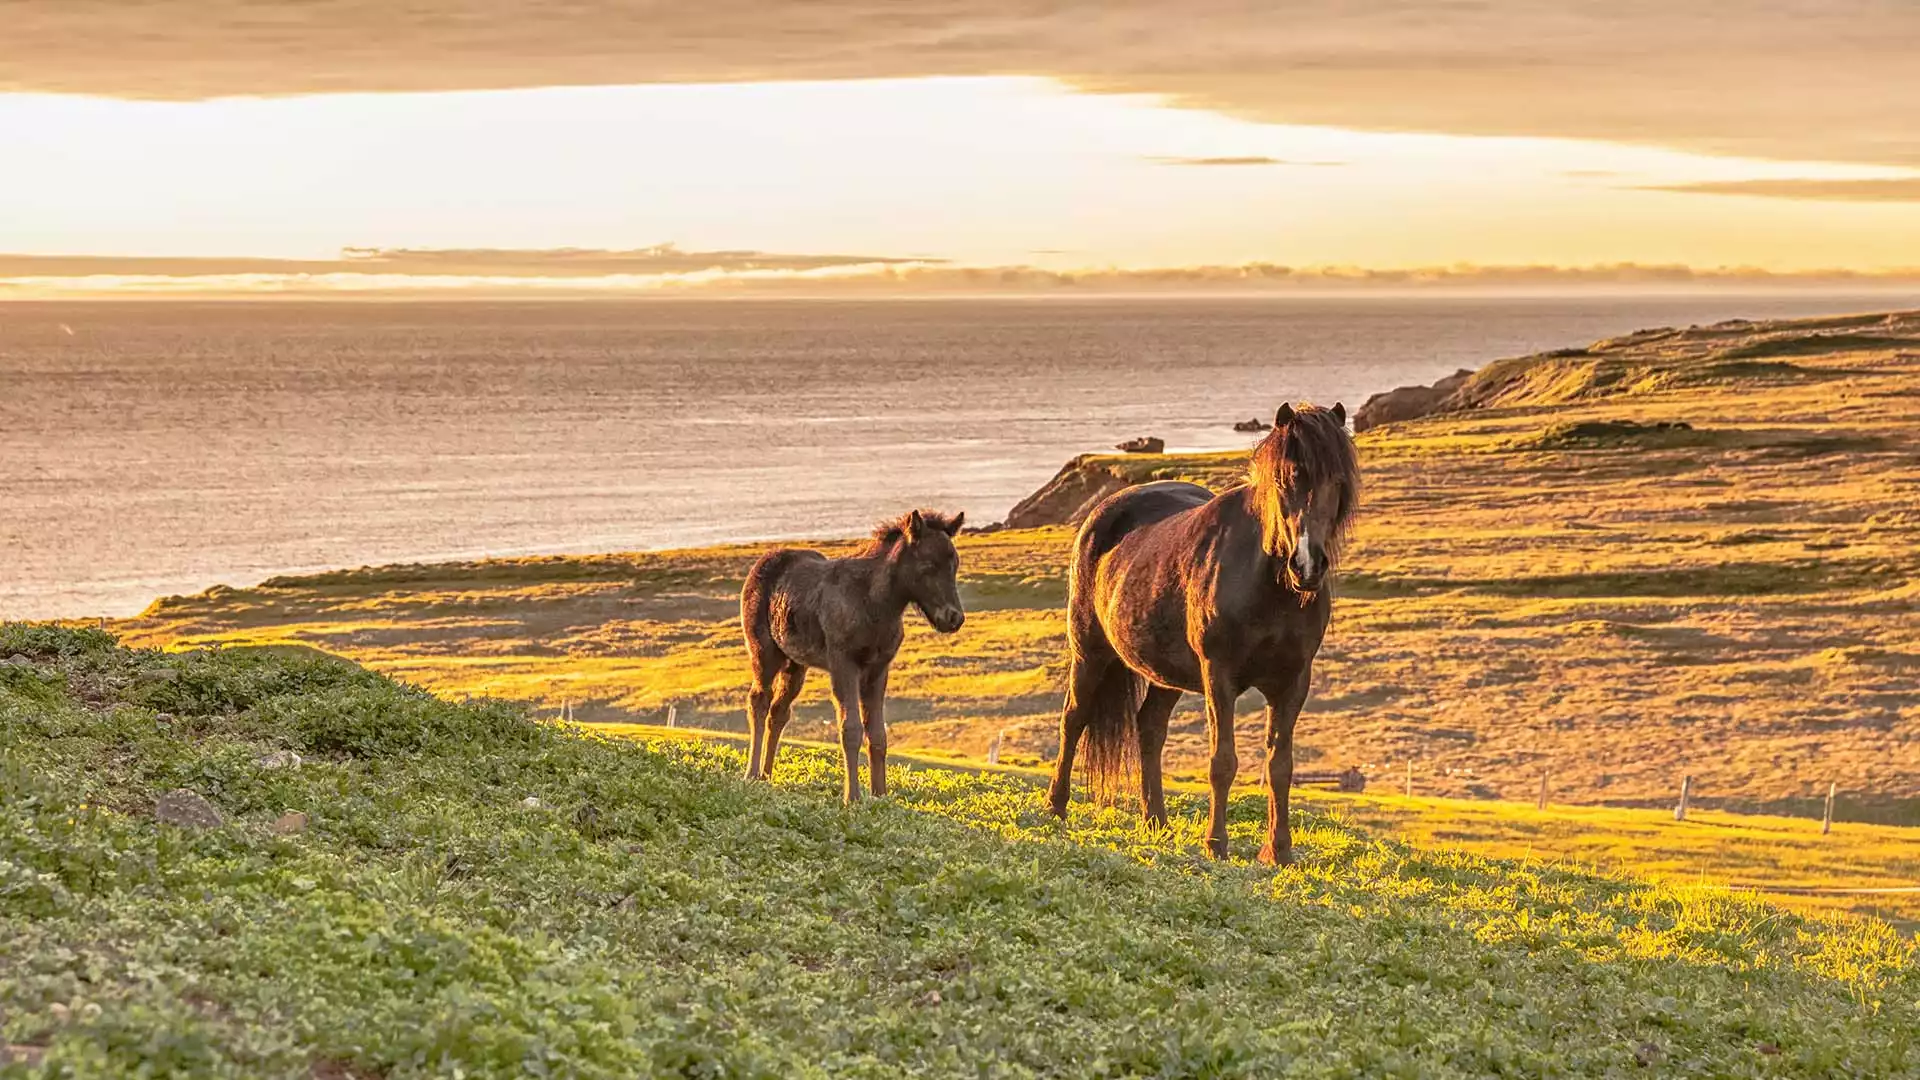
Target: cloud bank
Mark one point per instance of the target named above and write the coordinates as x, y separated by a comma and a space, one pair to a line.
559, 263
1802, 79
668, 271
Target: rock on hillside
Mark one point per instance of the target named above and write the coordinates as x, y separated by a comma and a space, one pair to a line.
1070, 496
1407, 402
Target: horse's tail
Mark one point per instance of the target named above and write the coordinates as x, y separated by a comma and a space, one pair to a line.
756, 593
1111, 754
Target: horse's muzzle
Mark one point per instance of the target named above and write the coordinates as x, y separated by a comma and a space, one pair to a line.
945, 619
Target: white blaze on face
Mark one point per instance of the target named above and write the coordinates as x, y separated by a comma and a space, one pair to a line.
1303, 556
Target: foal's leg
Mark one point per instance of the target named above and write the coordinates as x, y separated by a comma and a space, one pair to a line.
1284, 701
759, 700
785, 689
1225, 764
846, 702
1083, 693
873, 706
1156, 712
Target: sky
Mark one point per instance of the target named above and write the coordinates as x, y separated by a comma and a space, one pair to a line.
855, 140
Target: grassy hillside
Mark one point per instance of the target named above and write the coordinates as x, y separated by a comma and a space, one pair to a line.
472, 892
1547, 582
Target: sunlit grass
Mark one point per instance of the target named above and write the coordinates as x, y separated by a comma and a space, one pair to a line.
470, 893
1744, 608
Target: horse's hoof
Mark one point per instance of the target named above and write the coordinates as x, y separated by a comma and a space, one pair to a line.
1217, 849
1283, 858
1057, 804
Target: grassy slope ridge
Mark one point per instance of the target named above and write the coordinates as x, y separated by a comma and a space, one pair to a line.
654, 915
1546, 582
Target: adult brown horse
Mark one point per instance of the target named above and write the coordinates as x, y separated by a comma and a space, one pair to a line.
1175, 589
800, 609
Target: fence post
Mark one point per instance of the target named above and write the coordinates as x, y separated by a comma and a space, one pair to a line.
1826, 819
1686, 789
1543, 792
993, 748
673, 715
1409, 778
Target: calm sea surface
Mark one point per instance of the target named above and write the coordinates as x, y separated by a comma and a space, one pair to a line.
155, 448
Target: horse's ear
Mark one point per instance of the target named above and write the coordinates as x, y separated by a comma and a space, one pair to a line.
1283, 417
915, 526
1339, 412
953, 526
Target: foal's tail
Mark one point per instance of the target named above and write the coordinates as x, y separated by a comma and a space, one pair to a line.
1112, 748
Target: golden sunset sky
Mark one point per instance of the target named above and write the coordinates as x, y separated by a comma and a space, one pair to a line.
856, 137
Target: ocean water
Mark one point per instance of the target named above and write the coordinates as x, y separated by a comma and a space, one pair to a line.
150, 448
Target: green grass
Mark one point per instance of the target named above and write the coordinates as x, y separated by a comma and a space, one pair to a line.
650, 914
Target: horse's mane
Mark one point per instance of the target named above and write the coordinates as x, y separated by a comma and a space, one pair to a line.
892, 531
1306, 451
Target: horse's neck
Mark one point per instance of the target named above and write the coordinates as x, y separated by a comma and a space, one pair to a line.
883, 595
1269, 553
1259, 505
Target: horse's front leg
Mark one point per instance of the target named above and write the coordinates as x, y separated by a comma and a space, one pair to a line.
1221, 694
846, 702
1284, 701
873, 707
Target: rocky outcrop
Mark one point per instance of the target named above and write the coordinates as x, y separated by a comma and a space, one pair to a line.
1255, 424
1145, 444
187, 810
1069, 497
1408, 402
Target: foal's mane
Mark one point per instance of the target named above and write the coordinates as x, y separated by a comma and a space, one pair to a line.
1311, 448
892, 531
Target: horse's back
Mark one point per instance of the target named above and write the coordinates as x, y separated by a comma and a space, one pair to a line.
1128, 510
1122, 514
778, 572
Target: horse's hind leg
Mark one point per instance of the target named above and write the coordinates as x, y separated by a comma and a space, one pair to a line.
785, 688
1156, 712
759, 702
767, 662
1083, 696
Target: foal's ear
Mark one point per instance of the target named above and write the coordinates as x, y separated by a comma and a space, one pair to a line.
1339, 412
953, 524
1284, 416
916, 525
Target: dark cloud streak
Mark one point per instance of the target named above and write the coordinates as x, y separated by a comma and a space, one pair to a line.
1898, 190
1219, 161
